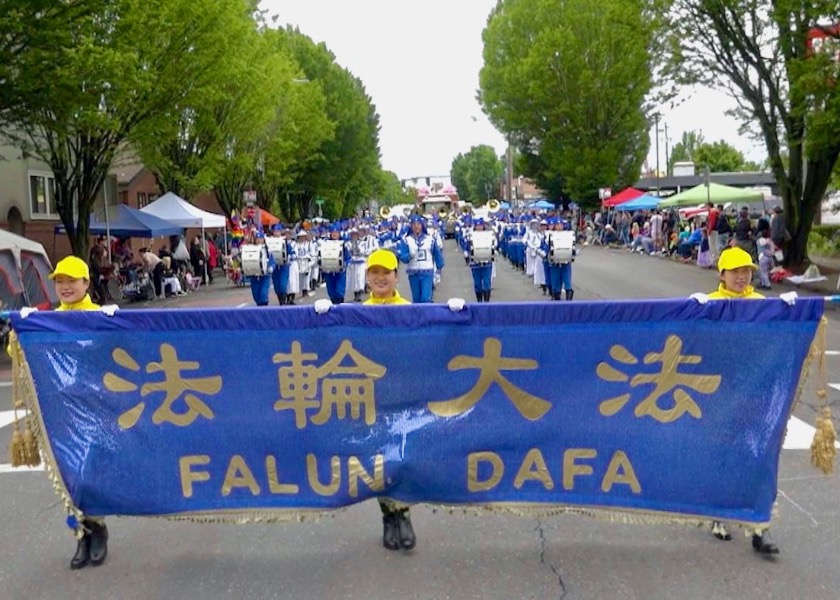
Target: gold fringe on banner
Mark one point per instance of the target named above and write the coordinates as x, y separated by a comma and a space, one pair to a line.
822, 447
24, 447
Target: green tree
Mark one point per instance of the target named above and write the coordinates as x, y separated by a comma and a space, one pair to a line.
346, 167
786, 95
102, 77
567, 82
390, 191
683, 151
720, 157
477, 173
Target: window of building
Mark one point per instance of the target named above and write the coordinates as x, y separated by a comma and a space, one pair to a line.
142, 199
42, 195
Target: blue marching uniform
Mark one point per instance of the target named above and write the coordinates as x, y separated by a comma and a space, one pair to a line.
261, 284
337, 281
482, 272
422, 256
280, 276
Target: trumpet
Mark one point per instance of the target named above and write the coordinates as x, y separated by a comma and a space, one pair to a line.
385, 212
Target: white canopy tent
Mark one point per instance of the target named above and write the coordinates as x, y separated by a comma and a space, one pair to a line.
171, 207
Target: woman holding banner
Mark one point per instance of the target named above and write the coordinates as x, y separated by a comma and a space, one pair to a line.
735, 268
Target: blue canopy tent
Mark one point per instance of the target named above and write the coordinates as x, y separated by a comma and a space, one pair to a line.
130, 222
643, 202
540, 205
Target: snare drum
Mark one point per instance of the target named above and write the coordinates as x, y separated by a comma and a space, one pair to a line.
483, 246
254, 260
277, 247
560, 245
331, 256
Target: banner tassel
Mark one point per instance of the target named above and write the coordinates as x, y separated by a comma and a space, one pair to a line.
23, 450
823, 451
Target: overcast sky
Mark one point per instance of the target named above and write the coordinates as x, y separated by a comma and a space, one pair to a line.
419, 61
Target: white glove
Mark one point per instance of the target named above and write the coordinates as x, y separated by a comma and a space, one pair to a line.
26, 311
110, 309
700, 298
789, 298
456, 304
323, 306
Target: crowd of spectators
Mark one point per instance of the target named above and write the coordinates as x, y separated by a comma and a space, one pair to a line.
696, 236
171, 270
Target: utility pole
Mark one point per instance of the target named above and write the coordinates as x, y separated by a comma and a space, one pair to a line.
656, 116
668, 166
510, 174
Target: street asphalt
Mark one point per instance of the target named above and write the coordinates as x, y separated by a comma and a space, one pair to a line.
458, 556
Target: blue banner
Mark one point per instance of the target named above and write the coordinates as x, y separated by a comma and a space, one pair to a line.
656, 407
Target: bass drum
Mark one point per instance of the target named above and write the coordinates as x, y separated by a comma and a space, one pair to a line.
331, 256
277, 247
560, 245
254, 260
483, 246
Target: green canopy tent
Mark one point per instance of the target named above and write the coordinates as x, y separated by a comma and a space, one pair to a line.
717, 193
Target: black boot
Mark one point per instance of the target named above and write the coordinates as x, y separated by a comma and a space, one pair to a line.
570, 294
544, 290
98, 543
291, 299
487, 296
720, 531
82, 556
558, 295
479, 296
762, 543
390, 531
357, 296
406, 531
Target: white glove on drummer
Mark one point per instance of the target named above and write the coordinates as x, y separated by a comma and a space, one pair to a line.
789, 298
456, 304
323, 306
26, 311
110, 309
700, 298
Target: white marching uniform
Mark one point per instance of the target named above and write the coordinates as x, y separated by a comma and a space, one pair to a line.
539, 271
532, 245
293, 287
357, 269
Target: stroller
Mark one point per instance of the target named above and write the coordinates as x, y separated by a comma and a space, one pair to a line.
141, 289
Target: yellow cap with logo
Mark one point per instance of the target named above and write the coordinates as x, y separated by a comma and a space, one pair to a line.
734, 258
382, 258
73, 267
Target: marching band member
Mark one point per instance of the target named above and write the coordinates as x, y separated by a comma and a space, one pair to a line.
421, 260
531, 239
261, 284
481, 269
735, 269
356, 270
303, 252
539, 261
337, 280
280, 275
293, 287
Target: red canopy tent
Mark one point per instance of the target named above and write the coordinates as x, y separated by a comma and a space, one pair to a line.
621, 197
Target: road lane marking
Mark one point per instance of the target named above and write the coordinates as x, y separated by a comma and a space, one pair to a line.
6, 417
800, 435
8, 468
5, 384
832, 352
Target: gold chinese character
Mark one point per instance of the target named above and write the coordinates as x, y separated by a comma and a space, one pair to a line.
174, 385
491, 366
353, 388
666, 380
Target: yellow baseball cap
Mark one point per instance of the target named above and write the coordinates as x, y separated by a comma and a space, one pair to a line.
383, 258
73, 267
734, 258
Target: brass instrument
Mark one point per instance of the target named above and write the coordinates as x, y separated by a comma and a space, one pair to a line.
493, 205
442, 212
385, 212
